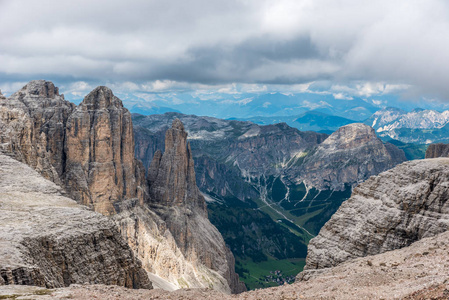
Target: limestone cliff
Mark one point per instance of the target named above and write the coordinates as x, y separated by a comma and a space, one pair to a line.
388, 211
176, 198
437, 150
100, 166
89, 151
32, 126
348, 156
171, 176
49, 240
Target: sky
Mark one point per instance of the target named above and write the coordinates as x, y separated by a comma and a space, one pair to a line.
346, 47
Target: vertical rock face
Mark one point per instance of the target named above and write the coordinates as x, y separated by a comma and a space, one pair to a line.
172, 176
89, 150
437, 150
387, 212
177, 200
32, 123
101, 168
49, 240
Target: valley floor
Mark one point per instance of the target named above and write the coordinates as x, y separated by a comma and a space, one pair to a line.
420, 271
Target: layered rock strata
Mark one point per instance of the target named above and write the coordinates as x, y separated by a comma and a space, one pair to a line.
92, 157
49, 240
387, 212
348, 156
415, 272
32, 126
176, 198
100, 166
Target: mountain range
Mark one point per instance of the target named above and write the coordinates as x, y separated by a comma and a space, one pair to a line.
271, 188
88, 151
79, 207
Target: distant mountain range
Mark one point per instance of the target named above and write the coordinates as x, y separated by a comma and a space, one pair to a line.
248, 105
418, 126
309, 121
321, 112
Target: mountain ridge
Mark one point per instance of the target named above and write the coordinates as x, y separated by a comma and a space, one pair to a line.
89, 150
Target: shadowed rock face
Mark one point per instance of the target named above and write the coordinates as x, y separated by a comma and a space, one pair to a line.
101, 168
437, 150
387, 212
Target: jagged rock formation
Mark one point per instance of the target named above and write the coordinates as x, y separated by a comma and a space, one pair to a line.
32, 126
89, 150
49, 240
387, 212
437, 150
100, 166
180, 204
349, 156
171, 176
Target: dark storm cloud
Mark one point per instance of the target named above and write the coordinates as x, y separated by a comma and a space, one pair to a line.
400, 42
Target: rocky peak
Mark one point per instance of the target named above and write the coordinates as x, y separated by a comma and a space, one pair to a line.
32, 122
39, 89
92, 148
172, 176
349, 156
101, 98
351, 136
101, 168
437, 150
386, 212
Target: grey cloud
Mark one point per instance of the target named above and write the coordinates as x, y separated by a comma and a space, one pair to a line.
217, 42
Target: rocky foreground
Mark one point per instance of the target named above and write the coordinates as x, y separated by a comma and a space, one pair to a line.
386, 212
419, 271
49, 240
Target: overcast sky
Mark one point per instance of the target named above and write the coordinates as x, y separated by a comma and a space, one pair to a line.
351, 46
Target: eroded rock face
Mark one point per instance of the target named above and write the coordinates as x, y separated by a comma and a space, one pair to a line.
349, 156
89, 151
171, 176
101, 168
387, 212
180, 204
49, 240
437, 150
32, 123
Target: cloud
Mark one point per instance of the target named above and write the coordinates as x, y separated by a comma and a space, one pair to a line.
154, 46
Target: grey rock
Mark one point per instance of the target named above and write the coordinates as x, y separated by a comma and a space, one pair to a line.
89, 151
387, 212
437, 150
49, 240
32, 122
100, 166
181, 206
349, 156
